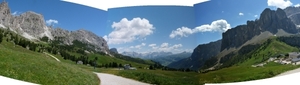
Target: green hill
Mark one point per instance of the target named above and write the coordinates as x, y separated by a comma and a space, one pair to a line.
238, 66
22, 64
23, 59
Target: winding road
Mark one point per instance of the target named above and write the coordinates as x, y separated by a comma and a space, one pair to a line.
109, 79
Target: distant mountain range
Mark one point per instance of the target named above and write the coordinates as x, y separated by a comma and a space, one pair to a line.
165, 58
149, 55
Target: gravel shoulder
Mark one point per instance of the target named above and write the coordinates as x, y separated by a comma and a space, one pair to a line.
109, 79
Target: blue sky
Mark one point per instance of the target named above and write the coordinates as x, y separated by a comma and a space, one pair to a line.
160, 28
163, 20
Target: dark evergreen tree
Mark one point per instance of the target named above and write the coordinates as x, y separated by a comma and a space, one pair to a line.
109, 65
120, 65
1, 37
151, 67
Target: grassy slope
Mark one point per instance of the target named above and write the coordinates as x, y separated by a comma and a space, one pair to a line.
157, 77
22, 64
107, 59
244, 71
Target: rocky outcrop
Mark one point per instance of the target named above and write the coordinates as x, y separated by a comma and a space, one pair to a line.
200, 54
113, 50
269, 20
294, 14
32, 25
29, 24
83, 36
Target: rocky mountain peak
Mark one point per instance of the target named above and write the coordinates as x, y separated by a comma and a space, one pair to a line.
4, 12
4, 9
32, 25
294, 14
270, 20
114, 50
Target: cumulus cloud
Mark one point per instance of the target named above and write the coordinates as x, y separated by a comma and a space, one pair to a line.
129, 30
183, 32
218, 25
51, 22
297, 5
138, 46
166, 47
255, 16
152, 45
241, 14
280, 3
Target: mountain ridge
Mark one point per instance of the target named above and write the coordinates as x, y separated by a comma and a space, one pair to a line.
32, 26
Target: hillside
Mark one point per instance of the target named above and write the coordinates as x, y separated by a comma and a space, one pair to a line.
271, 23
200, 54
166, 60
28, 65
32, 26
238, 67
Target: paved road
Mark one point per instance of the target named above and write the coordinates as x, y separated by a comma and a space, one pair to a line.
109, 79
289, 72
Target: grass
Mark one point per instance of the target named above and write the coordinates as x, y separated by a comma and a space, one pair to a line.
22, 64
157, 77
269, 50
244, 72
237, 73
107, 59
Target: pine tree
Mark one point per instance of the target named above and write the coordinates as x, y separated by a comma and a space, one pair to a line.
1, 37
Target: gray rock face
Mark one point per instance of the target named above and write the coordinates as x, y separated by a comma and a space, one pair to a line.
83, 36
114, 50
29, 24
294, 14
200, 54
269, 20
5, 14
32, 25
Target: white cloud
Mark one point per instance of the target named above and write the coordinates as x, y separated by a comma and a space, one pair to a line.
177, 46
143, 44
241, 14
218, 25
129, 30
164, 45
255, 15
51, 22
280, 3
131, 47
297, 5
16, 13
138, 46
183, 32
152, 45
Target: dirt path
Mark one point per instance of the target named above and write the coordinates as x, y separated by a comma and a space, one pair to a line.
52, 56
109, 79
